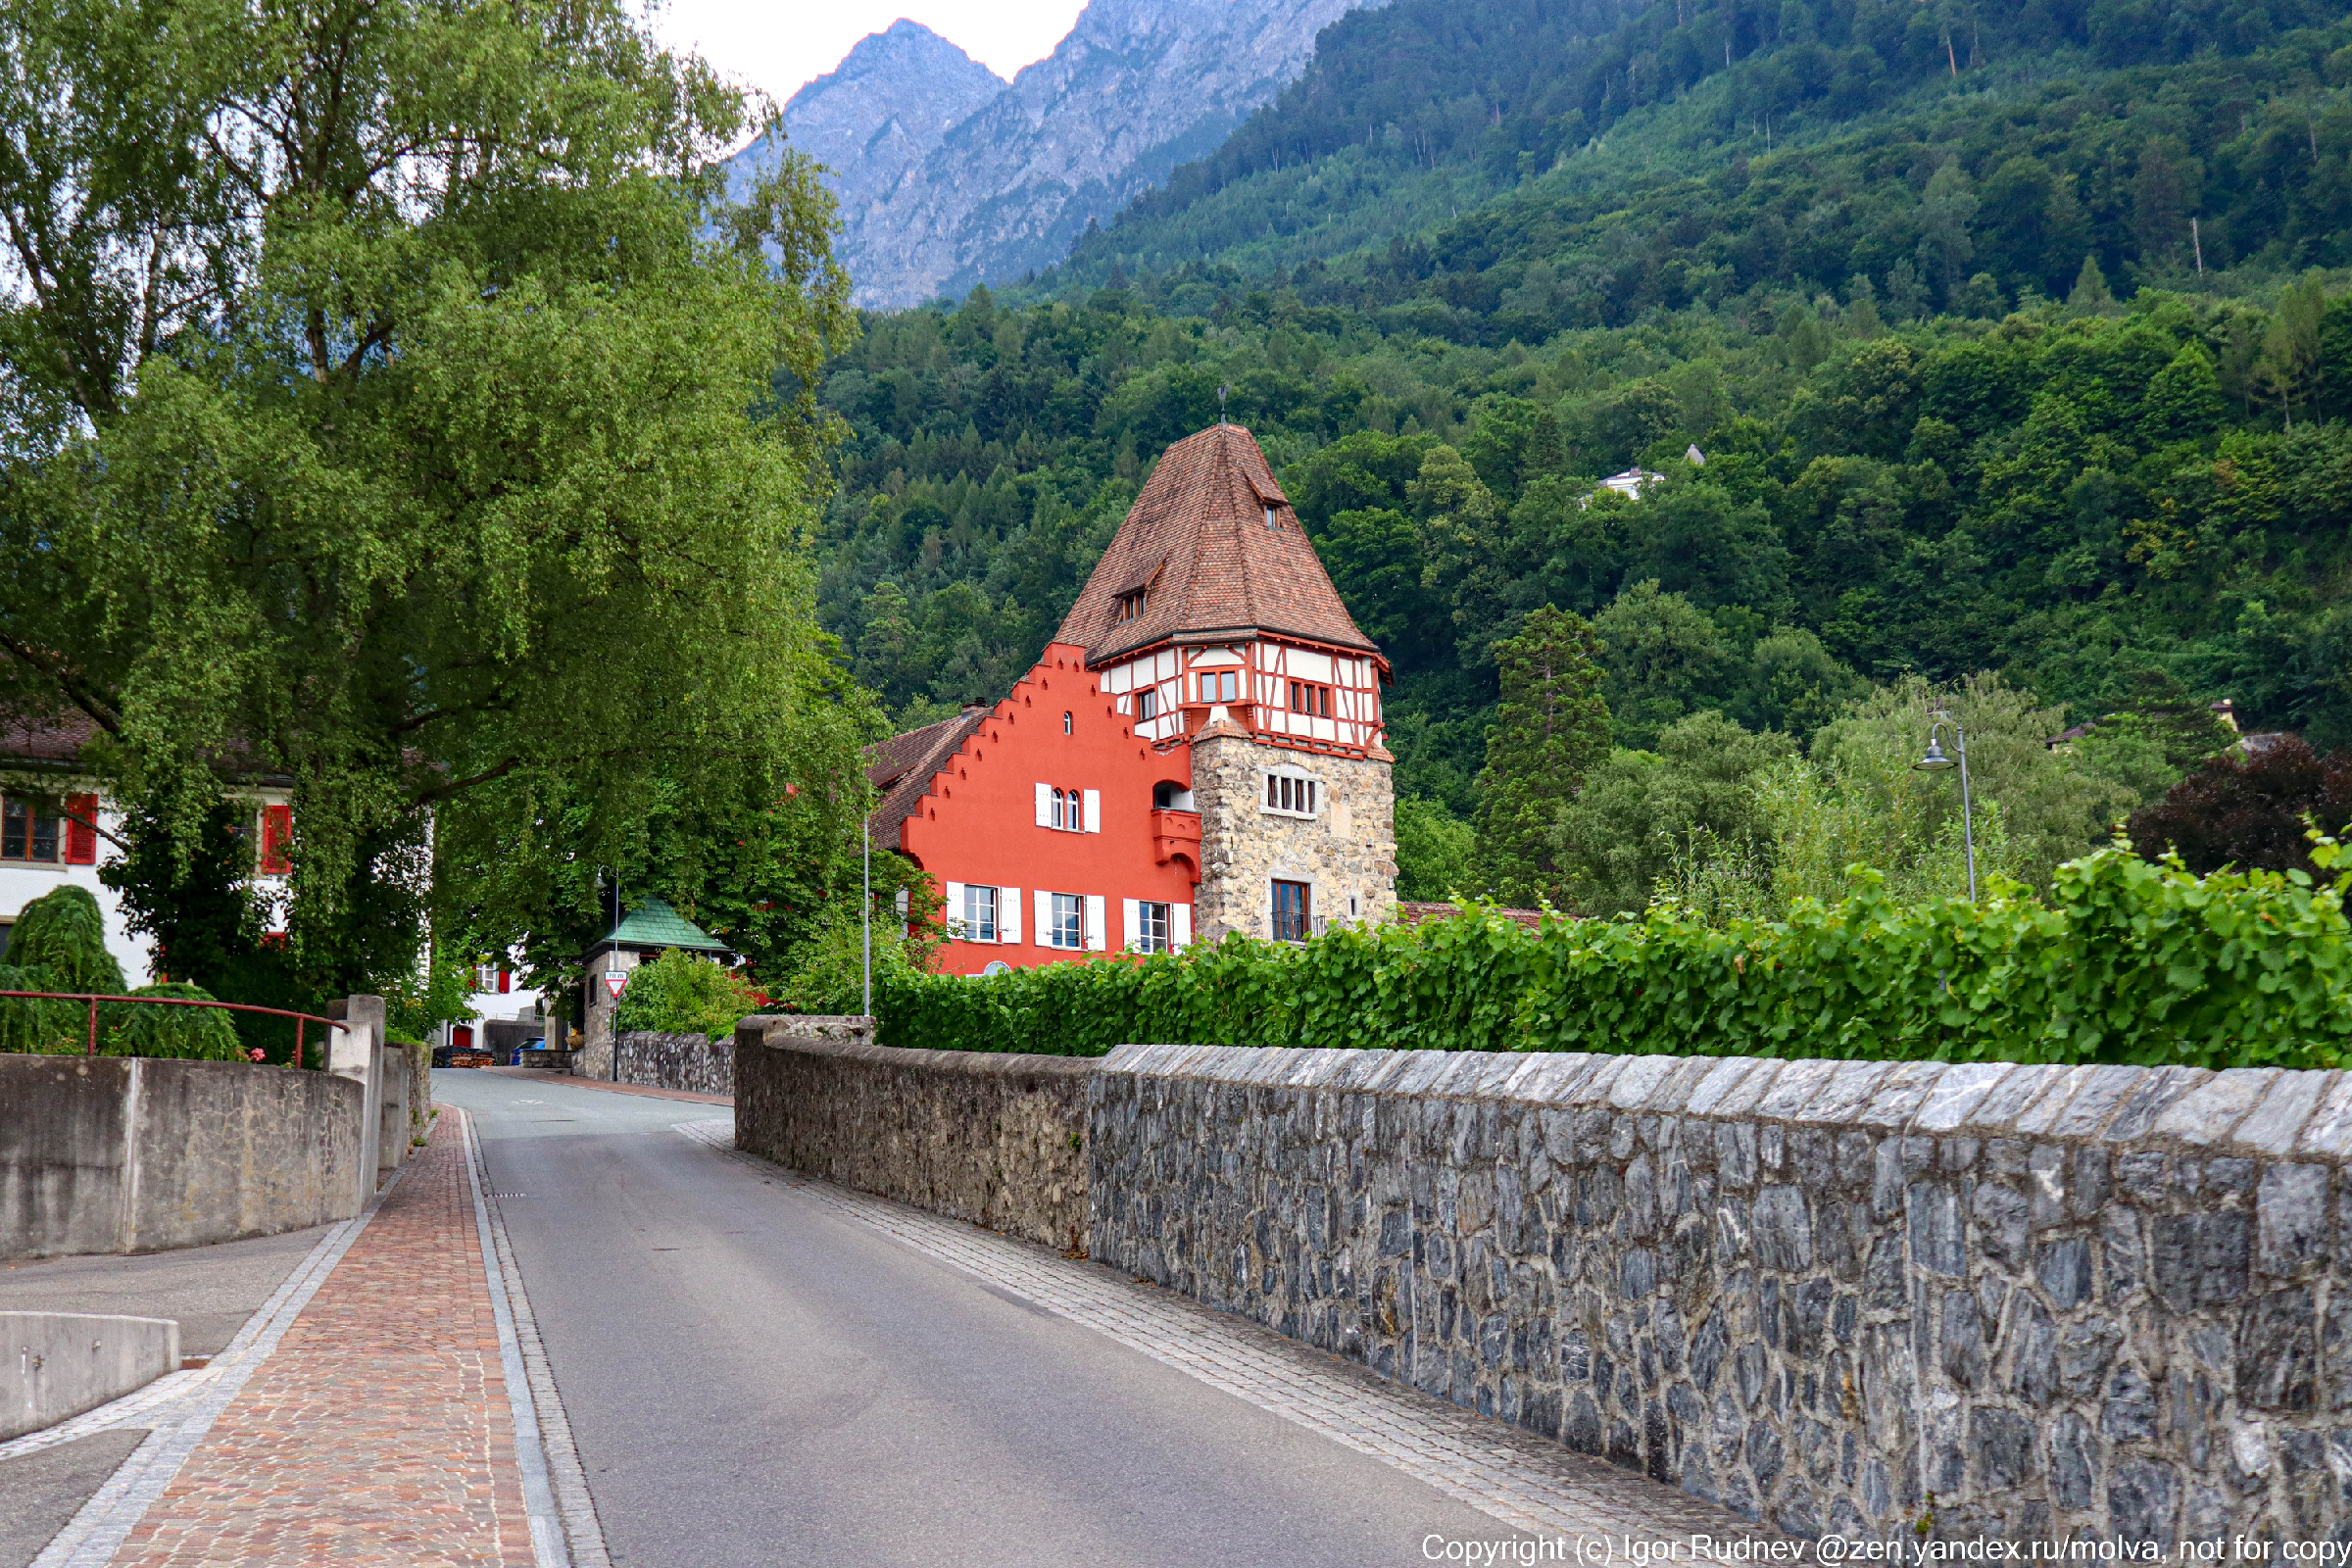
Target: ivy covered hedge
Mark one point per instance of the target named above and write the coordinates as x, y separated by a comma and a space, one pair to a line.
2125, 961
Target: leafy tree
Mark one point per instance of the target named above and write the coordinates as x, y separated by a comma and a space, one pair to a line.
2253, 809
1436, 851
382, 416
1640, 811
1664, 658
63, 934
1551, 727
2052, 810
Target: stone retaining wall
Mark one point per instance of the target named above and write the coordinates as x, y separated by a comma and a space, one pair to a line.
1858, 1297
694, 1062
995, 1140
2012, 1301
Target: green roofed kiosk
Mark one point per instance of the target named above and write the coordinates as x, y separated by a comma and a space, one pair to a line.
650, 929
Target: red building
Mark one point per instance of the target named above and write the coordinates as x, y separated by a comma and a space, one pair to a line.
1198, 751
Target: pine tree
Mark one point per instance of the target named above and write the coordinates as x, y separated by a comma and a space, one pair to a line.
2091, 295
1551, 729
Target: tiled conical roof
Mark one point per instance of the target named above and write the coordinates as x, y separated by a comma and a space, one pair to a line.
653, 923
1196, 542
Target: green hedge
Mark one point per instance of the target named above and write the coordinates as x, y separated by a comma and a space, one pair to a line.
2126, 962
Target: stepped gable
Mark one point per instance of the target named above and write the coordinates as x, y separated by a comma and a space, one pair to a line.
902, 766
1196, 539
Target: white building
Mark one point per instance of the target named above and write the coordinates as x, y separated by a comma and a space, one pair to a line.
55, 828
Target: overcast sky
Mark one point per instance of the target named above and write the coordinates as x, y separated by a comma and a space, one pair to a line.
779, 47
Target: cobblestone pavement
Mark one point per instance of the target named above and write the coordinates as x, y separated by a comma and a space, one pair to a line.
379, 1430
1511, 1476
362, 1416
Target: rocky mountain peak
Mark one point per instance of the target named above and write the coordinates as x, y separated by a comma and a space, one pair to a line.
949, 176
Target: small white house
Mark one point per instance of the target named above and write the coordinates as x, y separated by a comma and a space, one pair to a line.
55, 828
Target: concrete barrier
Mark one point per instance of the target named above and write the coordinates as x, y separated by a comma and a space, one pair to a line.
55, 1365
136, 1155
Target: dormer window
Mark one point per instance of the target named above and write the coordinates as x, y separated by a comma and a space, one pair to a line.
1269, 516
1129, 606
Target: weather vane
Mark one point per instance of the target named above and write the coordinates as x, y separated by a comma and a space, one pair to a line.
1223, 393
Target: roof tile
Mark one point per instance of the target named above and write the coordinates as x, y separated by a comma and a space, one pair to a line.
1197, 538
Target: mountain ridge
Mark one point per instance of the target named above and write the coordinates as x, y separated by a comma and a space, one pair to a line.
1136, 89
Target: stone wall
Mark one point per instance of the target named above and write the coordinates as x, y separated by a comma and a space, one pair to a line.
1346, 852
1848, 1296
995, 1140
135, 1155
694, 1062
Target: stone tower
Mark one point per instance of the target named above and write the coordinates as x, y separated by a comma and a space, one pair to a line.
1214, 628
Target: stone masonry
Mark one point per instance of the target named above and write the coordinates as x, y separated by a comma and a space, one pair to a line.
2017, 1302
1347, 851
1853, 1298
995, 1140
694, 1062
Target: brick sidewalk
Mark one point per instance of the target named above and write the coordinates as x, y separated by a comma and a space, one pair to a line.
378, 1431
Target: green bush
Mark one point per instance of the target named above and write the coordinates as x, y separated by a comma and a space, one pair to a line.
680, 994
2126, 961
59, 944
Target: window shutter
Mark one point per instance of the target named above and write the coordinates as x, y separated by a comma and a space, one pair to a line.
1180, 925
1094, 810
505, 981
954, 910
1044, 806
1130, 924
1093, 923
278, 835
82, 830
1009, 914
1045, 918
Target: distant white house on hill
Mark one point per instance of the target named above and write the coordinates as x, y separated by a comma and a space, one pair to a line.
1635, 481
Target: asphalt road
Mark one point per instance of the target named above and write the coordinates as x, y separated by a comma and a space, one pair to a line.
754, 1379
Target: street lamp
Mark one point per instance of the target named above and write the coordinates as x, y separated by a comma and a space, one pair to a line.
1937, 763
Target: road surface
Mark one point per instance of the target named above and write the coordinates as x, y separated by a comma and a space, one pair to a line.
753, 1378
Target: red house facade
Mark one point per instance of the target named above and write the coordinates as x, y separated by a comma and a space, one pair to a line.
1198, 751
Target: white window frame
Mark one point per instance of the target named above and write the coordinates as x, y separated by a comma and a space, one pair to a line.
1268, 792
1139, 916
1054, 917
979, 925
1071, 811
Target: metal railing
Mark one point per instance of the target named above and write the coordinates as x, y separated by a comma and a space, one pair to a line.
301, 1019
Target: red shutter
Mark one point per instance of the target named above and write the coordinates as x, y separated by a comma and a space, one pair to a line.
82, 830
278, 835
505, 981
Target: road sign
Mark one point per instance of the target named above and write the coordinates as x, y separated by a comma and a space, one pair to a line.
615, 979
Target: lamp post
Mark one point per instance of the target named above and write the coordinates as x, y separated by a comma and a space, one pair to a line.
866, 906
1937, 763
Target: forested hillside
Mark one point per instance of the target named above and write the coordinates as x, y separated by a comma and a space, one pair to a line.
1971, 391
